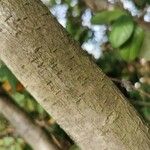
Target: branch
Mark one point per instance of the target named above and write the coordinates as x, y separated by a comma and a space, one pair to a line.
31, 132
126, 83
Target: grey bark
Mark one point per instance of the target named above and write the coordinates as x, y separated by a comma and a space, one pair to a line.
65, 81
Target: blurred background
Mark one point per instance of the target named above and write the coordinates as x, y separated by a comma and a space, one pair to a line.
116, 35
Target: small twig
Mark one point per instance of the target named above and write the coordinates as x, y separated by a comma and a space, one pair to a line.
56, 141
46, 126
126, 83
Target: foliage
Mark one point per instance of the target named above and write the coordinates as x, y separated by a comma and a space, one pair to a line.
124, 35
121, 31
131, 49
11, 143
145, 52
107, 16
74, 24
74, 147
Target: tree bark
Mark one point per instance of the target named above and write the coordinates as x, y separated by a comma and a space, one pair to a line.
31, 132
65, 81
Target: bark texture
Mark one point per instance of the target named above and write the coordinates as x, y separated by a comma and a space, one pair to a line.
58, 73
31, 133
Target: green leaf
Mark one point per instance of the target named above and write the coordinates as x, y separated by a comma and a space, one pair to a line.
8, 141
121, 31
145, 50
107, 16
146, 112
131, 49
148, 1
40, 110
30, 105
17, 146
6, 74
19, 98
3, 123
140, 3
74, 147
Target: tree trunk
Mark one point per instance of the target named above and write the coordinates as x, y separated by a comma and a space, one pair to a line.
57, 72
